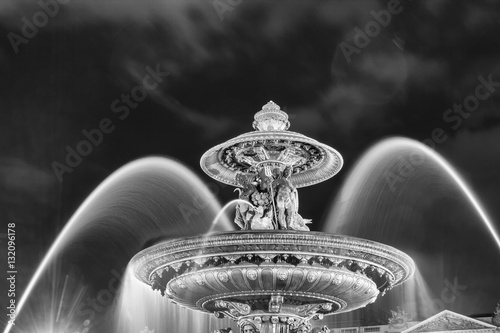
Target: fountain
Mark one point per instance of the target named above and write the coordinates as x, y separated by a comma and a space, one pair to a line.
274, 275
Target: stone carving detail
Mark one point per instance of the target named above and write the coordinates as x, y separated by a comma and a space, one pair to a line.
250, 326
310, 310
399, 319
252, 274
271, 118
263, 168
275, 303
289, 250
301, 327
448, 322
282, 274
268, 200
272, 146
235, 309
199, 279
312, 276
181, 284
245, 210
223, 277
496, 315
224, 330
357, 284
299, 156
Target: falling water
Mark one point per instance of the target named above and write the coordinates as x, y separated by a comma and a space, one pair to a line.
388, 197
139, 307
223, 213
406, 195
146, 199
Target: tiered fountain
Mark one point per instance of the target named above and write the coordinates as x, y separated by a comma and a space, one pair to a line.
274, 275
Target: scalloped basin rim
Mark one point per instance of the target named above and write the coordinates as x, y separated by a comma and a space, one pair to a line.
311, 238
256, 232
234, 266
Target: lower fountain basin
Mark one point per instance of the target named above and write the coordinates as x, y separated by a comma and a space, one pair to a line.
299, 274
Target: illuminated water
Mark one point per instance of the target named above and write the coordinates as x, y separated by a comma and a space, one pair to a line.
138, 306
146, 199
400, 193
406, 195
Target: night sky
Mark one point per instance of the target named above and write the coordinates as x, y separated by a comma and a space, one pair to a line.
174, 78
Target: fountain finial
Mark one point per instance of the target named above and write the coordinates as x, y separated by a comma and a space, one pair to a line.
271, 118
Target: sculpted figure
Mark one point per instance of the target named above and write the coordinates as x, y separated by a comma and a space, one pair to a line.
287, 202
271, 201
265, 180
243, 210
248, 327
261, 220
299, 223
248, 185
285, 206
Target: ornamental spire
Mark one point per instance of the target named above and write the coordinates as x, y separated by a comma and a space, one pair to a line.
271, 118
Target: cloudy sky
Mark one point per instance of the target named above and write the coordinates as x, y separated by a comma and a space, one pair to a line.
174, 78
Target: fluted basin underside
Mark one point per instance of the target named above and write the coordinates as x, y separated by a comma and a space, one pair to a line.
294, 274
